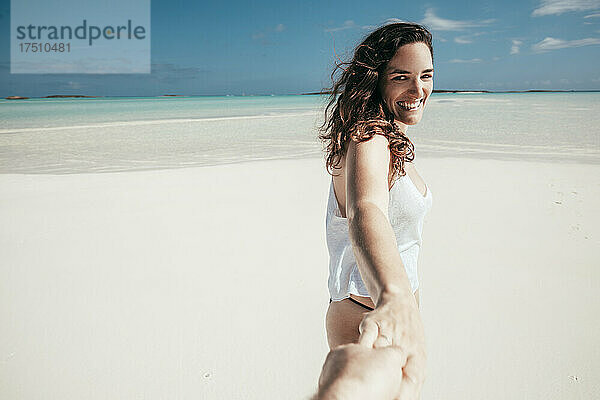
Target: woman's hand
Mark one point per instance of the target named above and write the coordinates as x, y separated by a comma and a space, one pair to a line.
396, 322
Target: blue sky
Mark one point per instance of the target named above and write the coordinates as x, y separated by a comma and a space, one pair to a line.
285, 47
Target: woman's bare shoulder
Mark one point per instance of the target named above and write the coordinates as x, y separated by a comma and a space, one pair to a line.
367, 173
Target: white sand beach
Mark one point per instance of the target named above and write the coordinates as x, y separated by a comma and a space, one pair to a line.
211, 282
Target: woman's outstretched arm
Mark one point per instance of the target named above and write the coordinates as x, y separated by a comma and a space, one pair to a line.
367, 201
396, 319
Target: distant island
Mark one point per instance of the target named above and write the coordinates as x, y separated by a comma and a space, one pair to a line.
48, 97
65, 95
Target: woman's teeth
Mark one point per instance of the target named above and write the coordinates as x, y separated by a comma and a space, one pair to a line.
410, 106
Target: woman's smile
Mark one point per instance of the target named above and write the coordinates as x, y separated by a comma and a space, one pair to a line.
407, 82
412, 105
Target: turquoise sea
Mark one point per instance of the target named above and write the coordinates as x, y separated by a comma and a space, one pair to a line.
60, 136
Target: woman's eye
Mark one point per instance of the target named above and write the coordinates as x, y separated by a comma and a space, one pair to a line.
398, 78
427, 76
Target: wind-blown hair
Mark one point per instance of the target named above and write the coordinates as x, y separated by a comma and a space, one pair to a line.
355, 109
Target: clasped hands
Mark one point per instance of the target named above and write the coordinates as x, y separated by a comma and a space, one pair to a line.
387, 363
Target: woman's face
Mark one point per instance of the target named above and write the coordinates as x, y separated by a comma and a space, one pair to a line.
407, 82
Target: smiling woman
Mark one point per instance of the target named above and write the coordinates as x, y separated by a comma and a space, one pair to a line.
374, 218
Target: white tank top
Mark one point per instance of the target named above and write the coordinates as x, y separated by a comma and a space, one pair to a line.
407, 209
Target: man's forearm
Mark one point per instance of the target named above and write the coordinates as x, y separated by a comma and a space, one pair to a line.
376, 252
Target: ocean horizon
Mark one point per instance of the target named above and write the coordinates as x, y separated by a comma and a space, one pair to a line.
64, 96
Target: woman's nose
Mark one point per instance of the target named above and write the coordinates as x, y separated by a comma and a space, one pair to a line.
417, 87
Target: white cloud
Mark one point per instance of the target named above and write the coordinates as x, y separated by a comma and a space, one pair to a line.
473, 60
347, 25
592, 16
495, 58
462, 40
557, 7
515, 46
550, 43
265, 38
434, 22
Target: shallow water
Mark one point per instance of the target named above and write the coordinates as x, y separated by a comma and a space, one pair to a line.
59, 136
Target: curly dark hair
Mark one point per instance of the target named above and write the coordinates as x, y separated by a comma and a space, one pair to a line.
355, 109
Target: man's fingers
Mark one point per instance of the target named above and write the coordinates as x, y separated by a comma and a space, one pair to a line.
381, 341
368, 333
412, 380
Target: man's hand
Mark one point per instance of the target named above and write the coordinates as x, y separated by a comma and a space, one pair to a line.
352, 371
